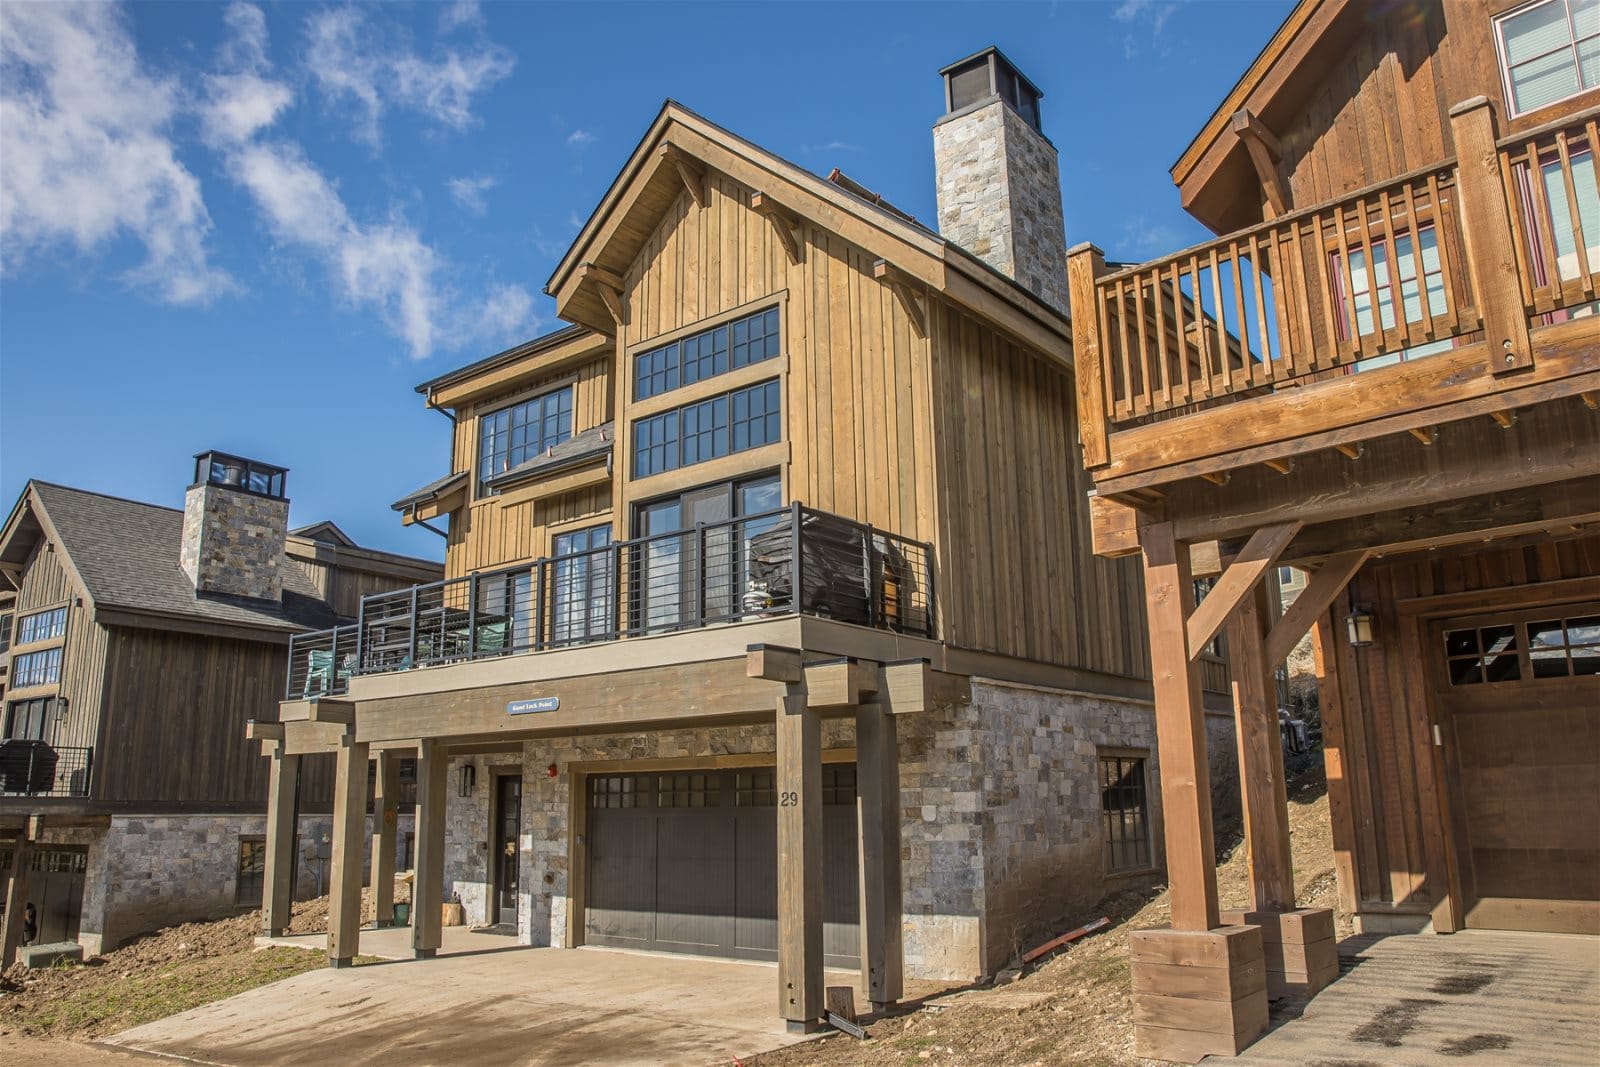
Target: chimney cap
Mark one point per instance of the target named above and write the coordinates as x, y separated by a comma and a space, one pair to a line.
987, 75
228, 471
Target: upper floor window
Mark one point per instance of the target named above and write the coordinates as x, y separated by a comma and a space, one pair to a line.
41, 626
1549, 51
36, 668
5, 632
751, 339
1389, 285
708, 429
511, 436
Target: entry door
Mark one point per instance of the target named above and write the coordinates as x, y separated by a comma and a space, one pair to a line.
507, 836
1519, 696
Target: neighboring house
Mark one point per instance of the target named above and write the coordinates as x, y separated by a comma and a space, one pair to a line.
1409, 260
780, 549
144, 638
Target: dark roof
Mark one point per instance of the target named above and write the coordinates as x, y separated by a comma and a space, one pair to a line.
433, 490
590, 444
327, 531
510, 355
127, 555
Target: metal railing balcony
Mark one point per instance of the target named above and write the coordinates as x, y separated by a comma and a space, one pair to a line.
791, 561
38, 769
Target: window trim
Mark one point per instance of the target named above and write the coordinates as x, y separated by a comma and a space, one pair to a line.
1502, 58
13, 686
1151, 826
40, 643
780, 411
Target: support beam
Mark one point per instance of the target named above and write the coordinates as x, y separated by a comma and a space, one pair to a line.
878, 819
799, 780
1427, 435
840, 682
1261, 776
690, 170
1312, 603
773, 663
1491, 249
1504, 419
1265, 152
1085, 264
1217, 477
1259, 555
609, 286
1282, 466
385, 831
1180, 732
427, 888
263, 731
17, 890
914, 686
785, 223
907, 290
349, 835
277, 893
1350, 450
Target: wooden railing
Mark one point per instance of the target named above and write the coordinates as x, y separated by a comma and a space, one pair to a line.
1378, 276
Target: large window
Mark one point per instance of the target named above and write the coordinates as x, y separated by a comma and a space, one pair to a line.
42, 626
708, 429
36, 668
252, 872
582, 600
1124, 812
511, 436
706, 354
705, 570
1549, 51
27, 720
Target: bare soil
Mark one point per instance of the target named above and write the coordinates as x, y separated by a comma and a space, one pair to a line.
1077, 1007
159, 974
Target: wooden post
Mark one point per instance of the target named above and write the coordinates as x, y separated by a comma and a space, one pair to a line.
1261, 773
385, 829
1180, 732
17, 890
1085, 263
349, 833
277, 897
427, 889
878, 819
1491, 251
799, 744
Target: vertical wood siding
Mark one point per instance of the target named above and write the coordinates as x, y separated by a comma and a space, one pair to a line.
47, 583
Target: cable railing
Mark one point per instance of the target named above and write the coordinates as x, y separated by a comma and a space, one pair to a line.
795, 560
38, 769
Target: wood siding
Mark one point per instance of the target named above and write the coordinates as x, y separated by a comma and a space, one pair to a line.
1384, 788
344, 586
47, 583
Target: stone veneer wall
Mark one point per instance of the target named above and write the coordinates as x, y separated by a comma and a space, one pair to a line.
233, 542
145, 872
999, 196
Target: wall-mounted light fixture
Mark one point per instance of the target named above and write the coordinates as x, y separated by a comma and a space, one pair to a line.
1359, 626
467, 778
552, 771
63, 708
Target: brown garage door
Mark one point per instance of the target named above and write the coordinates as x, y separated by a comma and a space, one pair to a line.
687, 861
55, 889
1520, 696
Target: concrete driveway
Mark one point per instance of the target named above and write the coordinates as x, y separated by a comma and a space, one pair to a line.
487, 1001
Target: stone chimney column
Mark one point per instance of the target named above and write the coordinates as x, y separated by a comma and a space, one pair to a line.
235, 523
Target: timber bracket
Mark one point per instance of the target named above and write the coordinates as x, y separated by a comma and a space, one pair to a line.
785, 224
908, 291
610, 287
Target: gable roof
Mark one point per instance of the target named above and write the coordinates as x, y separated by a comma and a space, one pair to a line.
326, 531
649, 184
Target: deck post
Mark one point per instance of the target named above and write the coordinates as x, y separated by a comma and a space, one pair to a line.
1085, 264
878, 819
349, 834
277, 896
385, 830
427, 889
1261, 774
17, 890
799, 753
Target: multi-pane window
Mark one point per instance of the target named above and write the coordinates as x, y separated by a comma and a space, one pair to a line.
582, 597
708, 429
1562, 648
42, 626
252, 872
1549, 51
756, 788
36, 668
511, 436
751, 339
1124, 812
1563, 221
838, 783
614, 791
28, 720
1481, 654
689, 790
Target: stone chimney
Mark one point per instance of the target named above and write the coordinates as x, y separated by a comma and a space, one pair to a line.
999, 183
235, 520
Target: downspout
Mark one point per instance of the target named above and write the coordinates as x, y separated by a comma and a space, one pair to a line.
427, 402
419, 522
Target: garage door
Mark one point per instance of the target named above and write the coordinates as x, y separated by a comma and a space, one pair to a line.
55, 889
1520, 695
687, 861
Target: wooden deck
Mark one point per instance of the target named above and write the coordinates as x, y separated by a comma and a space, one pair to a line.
1477, 998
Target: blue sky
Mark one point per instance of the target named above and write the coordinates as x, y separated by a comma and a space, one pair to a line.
255, 227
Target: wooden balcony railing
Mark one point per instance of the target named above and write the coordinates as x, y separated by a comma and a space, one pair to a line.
792, 561
1398, 271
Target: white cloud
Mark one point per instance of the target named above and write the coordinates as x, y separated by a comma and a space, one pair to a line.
385, 264
1151, 15
85, 151
461, 13
468, 192
350, 57
580, 139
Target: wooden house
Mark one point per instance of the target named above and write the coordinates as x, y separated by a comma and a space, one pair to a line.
780, 549
1399, 395
142, 638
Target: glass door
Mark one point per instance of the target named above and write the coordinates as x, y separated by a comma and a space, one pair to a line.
581, 598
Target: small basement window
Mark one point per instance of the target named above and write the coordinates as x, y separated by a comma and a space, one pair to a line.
1124, 813
252, 871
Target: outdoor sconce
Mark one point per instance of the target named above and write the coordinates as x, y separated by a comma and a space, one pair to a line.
468, 778
1358, 626
62, 709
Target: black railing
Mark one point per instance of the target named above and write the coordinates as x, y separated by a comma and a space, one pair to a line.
38, 769
794, 560
320, 663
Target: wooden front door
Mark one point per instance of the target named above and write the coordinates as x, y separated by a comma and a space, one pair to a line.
507, 837
1519, 701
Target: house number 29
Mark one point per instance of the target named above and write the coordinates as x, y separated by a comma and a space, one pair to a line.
788, 800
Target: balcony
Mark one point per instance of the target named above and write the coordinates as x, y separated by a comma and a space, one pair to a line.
792, 561
1461, 290
38, 769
